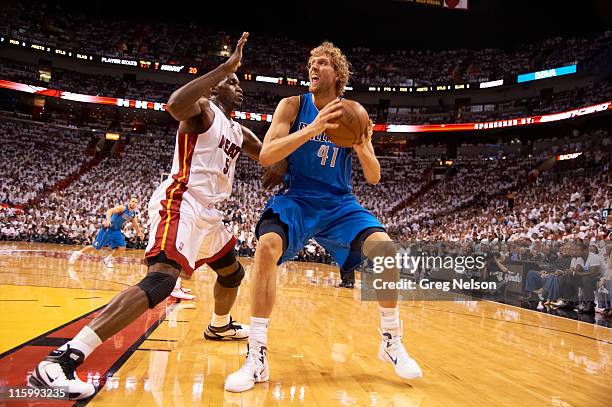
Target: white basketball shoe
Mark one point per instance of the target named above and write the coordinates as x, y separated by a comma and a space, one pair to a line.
182, 293
74, 257
392, 350
58, 371
254, 370
108, 262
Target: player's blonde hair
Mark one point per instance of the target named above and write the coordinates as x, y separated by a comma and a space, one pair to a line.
338, 60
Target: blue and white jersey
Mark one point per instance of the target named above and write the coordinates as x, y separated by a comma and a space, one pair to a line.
317, 165
119, 219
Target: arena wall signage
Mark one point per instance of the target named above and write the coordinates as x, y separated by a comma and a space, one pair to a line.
77, 97
491, 84
407, 85
571, 156
262, 117
547, 73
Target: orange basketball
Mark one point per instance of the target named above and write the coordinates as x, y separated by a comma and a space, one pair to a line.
353, 123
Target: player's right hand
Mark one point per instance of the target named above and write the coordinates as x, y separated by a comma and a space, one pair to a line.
233, 62
274, 175
325, 119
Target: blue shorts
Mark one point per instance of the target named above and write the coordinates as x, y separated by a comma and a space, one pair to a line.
112, 238
332, 220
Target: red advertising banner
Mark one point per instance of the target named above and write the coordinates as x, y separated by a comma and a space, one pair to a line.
261, 117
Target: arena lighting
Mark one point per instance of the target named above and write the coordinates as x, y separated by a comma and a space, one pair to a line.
112, 136
547, 73
384, 128
564, 157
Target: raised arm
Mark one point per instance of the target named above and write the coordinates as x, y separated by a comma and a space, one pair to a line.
278, 143
185, 102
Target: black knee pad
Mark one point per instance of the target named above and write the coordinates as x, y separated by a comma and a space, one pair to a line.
356, 255
227, 260
232, 280
157, 286
271, 222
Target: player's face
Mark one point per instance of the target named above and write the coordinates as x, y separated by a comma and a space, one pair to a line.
133, 204
229, 92
321, 74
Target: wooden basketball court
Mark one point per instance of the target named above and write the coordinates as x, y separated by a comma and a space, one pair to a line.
323, 343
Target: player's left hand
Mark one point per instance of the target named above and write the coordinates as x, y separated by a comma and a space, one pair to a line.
234, 61
142, 236
366, 139
274, 174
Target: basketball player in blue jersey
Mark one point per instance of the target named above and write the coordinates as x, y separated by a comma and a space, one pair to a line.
109, 235
317, 203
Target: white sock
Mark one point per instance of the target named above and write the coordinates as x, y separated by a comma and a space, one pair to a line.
258, 333
389, 319
220, 320
177, 286
86, 341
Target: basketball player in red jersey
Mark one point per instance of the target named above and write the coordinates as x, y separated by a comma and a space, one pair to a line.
186, 229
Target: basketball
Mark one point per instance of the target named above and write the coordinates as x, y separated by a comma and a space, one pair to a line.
353, 123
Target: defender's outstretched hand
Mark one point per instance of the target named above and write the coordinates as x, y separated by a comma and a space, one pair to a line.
233, 62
